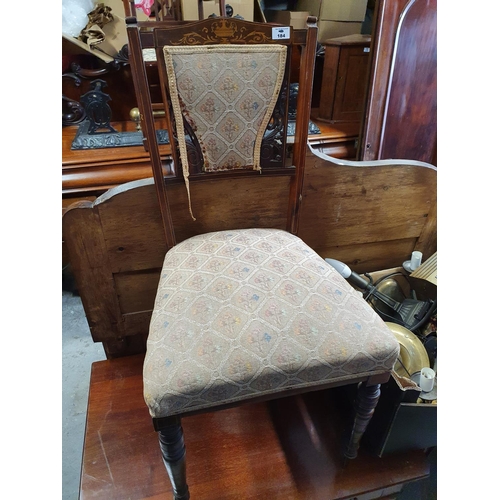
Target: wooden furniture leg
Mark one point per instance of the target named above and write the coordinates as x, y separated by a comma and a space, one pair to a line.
366, 400
174, 456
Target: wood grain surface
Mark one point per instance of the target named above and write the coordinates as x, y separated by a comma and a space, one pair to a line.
288, 449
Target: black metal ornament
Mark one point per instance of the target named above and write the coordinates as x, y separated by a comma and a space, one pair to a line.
96, 131
95, 102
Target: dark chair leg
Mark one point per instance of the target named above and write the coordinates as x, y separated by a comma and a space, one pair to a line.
174, 457
364, 406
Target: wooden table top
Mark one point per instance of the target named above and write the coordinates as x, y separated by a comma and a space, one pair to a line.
91, 172
287, 449
70, 158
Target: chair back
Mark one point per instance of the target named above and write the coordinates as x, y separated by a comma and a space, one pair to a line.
225, 87
162, 10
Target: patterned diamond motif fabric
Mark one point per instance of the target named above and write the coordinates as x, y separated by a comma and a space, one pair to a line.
249, 312
227, 93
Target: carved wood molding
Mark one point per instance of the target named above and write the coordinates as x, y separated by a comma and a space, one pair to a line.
221, 31
73, 112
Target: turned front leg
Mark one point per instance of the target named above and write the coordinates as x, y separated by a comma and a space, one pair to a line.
174, 457
366, 400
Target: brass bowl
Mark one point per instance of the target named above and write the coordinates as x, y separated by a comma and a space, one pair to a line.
412, 354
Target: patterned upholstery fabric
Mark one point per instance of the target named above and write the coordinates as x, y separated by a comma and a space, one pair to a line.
243, 313
227, 94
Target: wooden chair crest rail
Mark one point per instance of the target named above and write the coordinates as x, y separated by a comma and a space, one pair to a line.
237, 304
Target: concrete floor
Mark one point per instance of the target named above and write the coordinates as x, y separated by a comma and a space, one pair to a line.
78, 353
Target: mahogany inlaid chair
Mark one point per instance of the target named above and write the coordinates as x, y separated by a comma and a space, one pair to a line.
243, 312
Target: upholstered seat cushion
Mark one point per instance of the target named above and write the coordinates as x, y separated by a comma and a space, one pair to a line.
245, 313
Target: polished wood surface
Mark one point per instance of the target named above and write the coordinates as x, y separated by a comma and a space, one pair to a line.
344, 79
93, 171
368, 215
303, 111
412, 100
338, 140
400, 115
285, 450
90, 172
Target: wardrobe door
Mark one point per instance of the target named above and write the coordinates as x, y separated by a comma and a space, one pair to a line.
401, 108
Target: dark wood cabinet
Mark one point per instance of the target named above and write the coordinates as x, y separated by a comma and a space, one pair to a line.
344, 80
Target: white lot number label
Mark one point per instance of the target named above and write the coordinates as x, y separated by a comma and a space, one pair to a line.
281, 33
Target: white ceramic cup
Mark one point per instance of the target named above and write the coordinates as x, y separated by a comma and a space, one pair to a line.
427, 376
416, 260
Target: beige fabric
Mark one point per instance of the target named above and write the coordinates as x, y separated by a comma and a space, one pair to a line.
249, 312
227, 94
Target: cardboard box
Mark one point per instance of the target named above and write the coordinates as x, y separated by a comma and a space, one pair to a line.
116, 36
428, 270
297, 20
335, 10
244, 8
336, 17
115, 31
335, 29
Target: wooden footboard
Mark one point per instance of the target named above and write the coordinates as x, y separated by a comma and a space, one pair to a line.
370, 215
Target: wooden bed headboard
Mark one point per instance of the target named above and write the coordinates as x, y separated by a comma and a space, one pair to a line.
370, 215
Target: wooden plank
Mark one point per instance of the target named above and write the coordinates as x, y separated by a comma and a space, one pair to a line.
137, 291
132, 224
369, 257
349, 206
97, 180
90, 265
288, 449
137, 323
427, 242
230, 203
329, 82
132, 227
